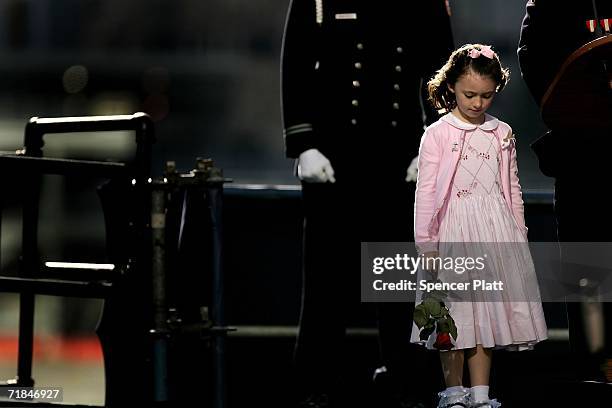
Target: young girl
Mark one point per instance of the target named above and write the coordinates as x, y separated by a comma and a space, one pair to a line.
468, 192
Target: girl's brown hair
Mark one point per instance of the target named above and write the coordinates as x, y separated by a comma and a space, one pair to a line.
458, 64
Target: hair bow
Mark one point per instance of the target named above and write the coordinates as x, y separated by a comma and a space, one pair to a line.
485, 51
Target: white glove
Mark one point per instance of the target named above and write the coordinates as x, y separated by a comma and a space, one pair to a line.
314, 167
413, 170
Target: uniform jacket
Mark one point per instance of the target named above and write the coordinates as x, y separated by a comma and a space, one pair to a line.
352, 75
552, 31
439, 155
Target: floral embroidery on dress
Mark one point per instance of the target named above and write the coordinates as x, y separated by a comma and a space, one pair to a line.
463, 192
479, 165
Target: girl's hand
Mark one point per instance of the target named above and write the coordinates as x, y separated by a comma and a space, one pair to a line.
429, 265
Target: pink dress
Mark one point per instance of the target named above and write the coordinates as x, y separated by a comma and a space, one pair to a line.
477, 214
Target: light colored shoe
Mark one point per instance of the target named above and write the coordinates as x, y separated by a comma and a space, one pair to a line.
486, 404
455, 399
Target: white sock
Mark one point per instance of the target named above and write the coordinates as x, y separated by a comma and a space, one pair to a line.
480, 393
454, 390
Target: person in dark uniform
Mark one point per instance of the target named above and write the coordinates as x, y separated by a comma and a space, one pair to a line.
352, 80
577, 157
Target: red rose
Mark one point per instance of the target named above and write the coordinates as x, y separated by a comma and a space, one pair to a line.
443, 342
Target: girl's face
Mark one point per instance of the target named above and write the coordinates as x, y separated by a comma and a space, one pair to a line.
474, 94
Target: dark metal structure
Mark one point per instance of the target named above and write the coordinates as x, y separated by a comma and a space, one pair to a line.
136, 339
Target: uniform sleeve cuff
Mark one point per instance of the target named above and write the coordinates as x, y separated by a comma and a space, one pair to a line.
298, 138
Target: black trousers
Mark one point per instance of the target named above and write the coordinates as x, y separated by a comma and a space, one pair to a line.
337, 218
583, 216
578, 160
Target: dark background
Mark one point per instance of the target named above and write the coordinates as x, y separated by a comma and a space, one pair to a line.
208, 74
207, 71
